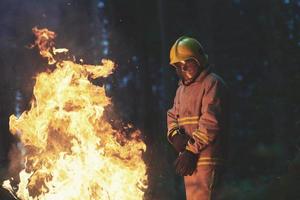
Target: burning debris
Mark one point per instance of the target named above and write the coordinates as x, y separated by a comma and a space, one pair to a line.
71, 151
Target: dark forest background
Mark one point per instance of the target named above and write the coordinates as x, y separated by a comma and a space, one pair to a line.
253, 44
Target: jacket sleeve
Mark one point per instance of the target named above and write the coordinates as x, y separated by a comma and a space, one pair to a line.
211, 116
172, 122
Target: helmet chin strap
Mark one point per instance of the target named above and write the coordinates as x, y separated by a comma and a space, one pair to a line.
188, 82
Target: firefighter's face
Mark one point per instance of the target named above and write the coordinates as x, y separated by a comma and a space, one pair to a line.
187, 70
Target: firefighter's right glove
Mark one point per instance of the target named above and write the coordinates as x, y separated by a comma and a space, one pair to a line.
186, 163
179, 141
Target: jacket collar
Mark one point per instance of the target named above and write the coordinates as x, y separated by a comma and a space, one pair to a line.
201, 76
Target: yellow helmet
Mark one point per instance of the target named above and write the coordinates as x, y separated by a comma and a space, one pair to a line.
186, 48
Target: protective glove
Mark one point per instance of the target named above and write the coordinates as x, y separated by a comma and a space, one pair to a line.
186, 163
179, 141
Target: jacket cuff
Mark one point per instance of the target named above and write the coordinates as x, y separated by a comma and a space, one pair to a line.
171, 134
191, 147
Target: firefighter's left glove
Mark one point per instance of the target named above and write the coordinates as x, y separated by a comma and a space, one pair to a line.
186, 163
179, 141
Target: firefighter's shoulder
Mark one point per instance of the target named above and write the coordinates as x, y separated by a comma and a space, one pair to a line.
214, 79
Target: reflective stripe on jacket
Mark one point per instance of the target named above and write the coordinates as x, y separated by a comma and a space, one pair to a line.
201, 109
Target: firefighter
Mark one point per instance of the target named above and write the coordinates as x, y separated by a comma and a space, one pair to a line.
198, 120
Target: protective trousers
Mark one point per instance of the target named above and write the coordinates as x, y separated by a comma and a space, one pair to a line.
203, 184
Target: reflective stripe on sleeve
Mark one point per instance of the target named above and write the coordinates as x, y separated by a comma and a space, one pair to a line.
172, 126
172, 133
188, 120
201, 136
210, 161
171, 115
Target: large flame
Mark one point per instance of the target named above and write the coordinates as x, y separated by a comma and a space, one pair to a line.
72, 152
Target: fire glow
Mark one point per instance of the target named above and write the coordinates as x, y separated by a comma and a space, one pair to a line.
71, 151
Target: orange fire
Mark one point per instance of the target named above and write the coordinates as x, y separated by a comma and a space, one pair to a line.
72, 152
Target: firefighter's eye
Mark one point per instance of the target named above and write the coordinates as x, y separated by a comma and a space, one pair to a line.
184, 68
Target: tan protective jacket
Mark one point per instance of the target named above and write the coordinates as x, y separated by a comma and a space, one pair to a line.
201, 109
